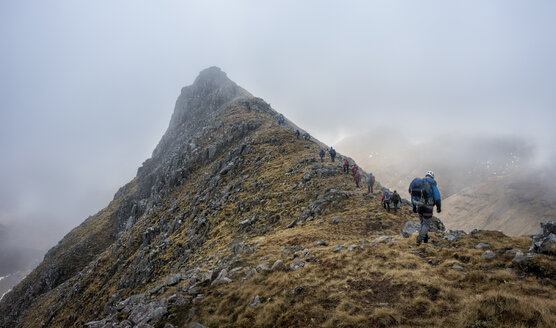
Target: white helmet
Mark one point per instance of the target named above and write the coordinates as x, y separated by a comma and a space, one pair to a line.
430, 173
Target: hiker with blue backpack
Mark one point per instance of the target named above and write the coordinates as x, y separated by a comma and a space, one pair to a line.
424, 196
386, 198
321, 154
332, 153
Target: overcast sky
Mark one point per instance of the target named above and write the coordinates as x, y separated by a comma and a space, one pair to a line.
87, 88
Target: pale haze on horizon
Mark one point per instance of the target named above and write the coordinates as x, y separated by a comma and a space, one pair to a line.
87, 88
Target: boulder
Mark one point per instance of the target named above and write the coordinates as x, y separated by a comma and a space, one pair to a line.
263, 267
545, 241
320, 243
297, 264
354, 247
488, 255
338, 248
255, 301
482, 245
279, 266
453, 235
410, 228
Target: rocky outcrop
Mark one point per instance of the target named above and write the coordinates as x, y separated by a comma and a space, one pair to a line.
545, 241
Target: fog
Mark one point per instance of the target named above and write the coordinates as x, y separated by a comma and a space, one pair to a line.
87, 88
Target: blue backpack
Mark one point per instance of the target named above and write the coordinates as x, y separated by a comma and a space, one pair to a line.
421, 192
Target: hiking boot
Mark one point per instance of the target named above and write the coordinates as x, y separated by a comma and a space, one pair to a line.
426, 240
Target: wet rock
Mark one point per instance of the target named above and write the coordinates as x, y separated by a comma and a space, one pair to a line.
292, 224
482, 245
410, 228
221, 281
514, 251
279, 266
155, 290
255, 301
354, 247
320, 243
488, 255
263, 267
523, 259
453, 235
297, 264
198, 299
456, 267
174, 279
545, 241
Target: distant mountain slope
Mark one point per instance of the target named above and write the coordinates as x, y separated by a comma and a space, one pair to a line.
235, 222
485, 182
515, 204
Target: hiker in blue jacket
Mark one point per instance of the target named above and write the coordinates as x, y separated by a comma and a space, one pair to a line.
424, 196
332, 153
321, 154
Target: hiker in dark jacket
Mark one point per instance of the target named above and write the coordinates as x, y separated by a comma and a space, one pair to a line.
396, 199
346, 165
370, 183
386, 198
296, 134
424, 196
321, 154
357, 179
332, 153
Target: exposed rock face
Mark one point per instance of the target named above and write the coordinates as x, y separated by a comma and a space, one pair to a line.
188, 144
545, 241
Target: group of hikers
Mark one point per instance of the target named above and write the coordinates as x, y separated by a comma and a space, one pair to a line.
424, 194
424, 191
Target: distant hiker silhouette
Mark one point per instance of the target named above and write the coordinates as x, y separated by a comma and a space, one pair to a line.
424, 196
370, 183
321, 154
296, 133
346, 165
386, 198
332, 153
357, 179
396, 199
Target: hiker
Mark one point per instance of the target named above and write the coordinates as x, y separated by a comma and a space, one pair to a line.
280, 119
386, 198
332, 153
357, 178
296, 133
370, 183
396, 199
321, 154
354, 169
346, 165
424, 196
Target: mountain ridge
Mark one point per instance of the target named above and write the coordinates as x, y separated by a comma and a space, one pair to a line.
235, 222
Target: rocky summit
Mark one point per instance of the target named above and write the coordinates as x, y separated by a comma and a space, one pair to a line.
236, 222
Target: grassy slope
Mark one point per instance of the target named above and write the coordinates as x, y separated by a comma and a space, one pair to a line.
392, 284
